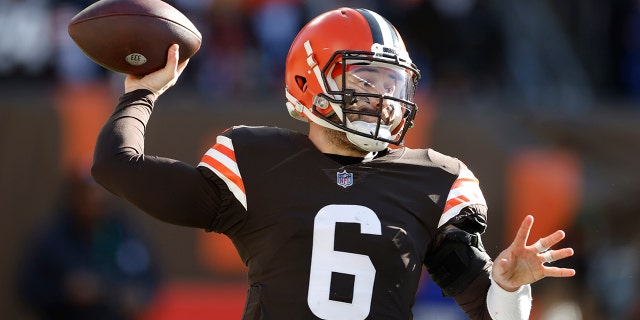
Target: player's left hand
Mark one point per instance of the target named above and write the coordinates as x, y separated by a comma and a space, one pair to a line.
521, 264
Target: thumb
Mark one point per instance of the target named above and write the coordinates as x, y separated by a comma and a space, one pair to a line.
500, 269
502, 266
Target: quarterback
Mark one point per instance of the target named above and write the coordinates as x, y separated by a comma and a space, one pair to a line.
333, 223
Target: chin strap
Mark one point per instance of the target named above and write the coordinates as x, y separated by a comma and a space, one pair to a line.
298, 111
366, 143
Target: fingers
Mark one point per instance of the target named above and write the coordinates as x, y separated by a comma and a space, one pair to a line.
173, 61
173, 56
182, 66
552, 239
173, 53
543, 244
523, 233
160, 80
540, 247
555, 272
520, 264
555, 255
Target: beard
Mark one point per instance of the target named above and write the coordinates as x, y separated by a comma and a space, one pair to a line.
339, 139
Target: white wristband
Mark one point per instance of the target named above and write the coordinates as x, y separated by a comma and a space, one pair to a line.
505, 305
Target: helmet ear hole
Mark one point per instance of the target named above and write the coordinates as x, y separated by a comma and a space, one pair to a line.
301, 82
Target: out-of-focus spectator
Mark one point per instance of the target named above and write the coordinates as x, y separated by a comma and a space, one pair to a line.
71, 65
630, 59
461, 43
275, 24
223, 58
616, 287
431, 304
88, 262
25, 37
314, 8
198, 11
613, 267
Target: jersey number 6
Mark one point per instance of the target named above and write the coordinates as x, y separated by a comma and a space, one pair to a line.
325, 260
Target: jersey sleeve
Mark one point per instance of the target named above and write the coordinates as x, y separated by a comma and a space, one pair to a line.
240, 160
464, 193
219, 163
167, 189
220, 159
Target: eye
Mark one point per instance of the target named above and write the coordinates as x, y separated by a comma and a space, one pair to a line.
366, 83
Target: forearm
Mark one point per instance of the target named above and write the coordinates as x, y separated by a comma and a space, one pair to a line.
167, 189
473, 300
506, 305
483, 299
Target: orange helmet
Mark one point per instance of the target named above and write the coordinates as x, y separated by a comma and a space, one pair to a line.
348, 70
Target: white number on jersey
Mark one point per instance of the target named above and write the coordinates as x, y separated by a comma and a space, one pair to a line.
325, 260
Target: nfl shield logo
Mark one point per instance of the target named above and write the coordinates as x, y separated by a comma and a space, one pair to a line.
344, 179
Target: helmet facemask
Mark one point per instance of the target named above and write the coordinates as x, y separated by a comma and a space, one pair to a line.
370, 96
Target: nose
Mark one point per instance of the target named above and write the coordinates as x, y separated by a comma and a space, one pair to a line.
389, 111
382, 103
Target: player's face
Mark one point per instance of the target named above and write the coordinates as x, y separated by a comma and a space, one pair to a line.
378, 84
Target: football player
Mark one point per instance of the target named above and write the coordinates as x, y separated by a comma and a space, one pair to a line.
333, 224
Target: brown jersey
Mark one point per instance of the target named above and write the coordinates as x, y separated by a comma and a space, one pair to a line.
322, 240
329, 241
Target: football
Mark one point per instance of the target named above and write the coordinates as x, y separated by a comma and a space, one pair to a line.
132, 36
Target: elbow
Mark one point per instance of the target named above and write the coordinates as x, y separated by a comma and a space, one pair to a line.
99, 170
107, 160
111, 170
101, 163
104, 166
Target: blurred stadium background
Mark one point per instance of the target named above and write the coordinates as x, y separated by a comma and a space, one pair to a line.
540, 98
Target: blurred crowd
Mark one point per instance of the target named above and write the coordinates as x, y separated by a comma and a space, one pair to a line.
88, 260
570, 53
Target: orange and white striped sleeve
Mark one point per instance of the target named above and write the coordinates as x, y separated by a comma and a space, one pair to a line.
221, 160
464, 192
